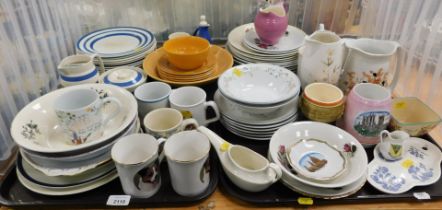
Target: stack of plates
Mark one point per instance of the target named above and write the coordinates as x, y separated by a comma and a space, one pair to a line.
319, 160
158, 67
48, 165
255, 100
118, 46
246, 47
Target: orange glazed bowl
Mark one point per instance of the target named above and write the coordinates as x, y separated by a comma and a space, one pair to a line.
188, 52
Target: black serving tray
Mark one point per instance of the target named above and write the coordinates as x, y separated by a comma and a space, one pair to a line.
14, 194
279, 194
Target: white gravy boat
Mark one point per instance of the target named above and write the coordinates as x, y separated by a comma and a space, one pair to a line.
247, 169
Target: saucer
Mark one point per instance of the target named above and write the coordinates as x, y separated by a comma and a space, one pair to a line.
316, 159
419, 166
165, 66
291, 41
223, 61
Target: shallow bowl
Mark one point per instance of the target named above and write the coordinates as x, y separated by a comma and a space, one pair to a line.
187, 52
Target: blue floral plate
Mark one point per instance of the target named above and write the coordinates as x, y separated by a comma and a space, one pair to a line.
419, 166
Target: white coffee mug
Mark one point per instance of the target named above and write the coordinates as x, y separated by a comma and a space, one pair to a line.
80, 114
187, 155
191, 102
164, 122
138, 164
152, 95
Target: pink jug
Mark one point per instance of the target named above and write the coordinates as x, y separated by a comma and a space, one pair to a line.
271, 24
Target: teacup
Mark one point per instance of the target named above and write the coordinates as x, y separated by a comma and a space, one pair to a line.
152, 95
187, 155
80, 114
138, 164
391, 144
191, 101
164, 122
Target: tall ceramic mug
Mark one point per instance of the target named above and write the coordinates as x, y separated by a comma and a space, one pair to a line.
80, 114
187, 155
137, 161
191, 102
321, 58
367, 112
164, 122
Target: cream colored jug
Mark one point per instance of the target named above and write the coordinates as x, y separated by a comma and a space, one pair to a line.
321, 58
368, 61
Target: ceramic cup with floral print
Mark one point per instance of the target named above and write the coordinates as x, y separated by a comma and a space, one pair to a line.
327, 48
164, 122
137, 161
80, 114
191, 102
367, 112
187, 155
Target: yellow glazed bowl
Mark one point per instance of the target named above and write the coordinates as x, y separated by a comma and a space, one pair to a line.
323, 94
188, 52
413, 116
319, 113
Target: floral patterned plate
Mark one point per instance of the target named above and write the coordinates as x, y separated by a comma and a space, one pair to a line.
36, 126
419, 166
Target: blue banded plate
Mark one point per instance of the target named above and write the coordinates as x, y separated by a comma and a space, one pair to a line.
116, 42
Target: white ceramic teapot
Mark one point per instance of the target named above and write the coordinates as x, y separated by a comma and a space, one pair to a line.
368, 61
79, 69
321, 58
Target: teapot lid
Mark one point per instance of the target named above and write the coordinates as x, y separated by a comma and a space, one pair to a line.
125, 76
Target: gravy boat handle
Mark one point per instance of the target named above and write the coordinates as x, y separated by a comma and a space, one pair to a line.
277, 170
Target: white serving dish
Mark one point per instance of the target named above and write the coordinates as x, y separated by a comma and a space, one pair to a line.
69, 190
291, 133
319, 192
256, 110
419, 166
287, 43
259, 84
73, 164
36, 126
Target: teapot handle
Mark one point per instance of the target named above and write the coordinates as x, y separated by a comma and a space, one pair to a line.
399, 57
100, 62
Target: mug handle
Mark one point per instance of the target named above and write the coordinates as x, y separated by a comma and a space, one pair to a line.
215, 108
189, 122
399, 57
115, 113
278, 172
384, 133
100, 62
161, 142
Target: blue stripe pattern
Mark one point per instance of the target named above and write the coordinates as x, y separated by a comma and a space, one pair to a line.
124, 84
80, 78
